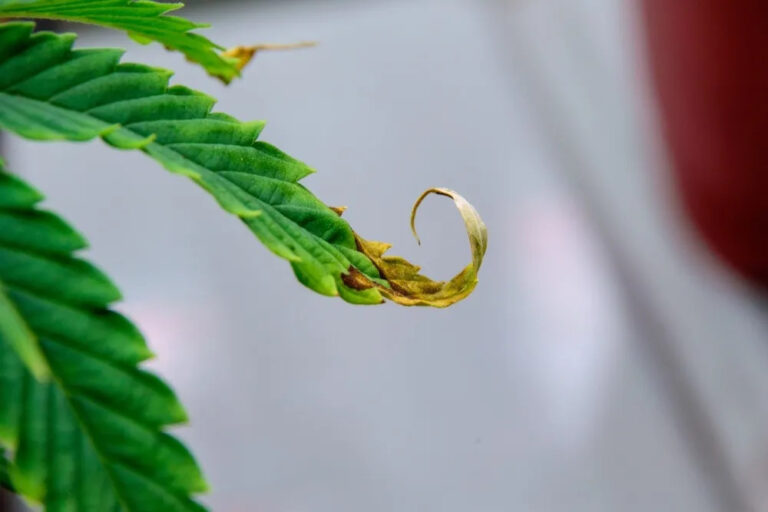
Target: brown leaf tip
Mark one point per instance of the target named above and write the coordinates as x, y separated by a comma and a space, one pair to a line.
338, 210
244, 53
406, 285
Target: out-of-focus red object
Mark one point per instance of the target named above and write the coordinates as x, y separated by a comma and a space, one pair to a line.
709, 59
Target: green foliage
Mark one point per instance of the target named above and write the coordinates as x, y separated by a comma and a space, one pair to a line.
49, 91
18, 336
145, 21
5, 478
82, 424
89, 438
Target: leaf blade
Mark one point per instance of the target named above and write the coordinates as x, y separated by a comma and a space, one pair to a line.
16, 333
144, 21
131, 106
77, 436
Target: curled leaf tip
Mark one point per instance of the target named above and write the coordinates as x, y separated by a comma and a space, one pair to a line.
415, 208
476, 229
243, 54
402, 282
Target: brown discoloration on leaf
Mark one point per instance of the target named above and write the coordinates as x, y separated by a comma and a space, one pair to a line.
407, 286
338, 210
356, 279
244, 54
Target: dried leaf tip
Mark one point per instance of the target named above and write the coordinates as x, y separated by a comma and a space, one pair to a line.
338, 210
407, 286
476, 229
243, 54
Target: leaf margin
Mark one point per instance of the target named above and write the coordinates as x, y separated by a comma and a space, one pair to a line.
173, 32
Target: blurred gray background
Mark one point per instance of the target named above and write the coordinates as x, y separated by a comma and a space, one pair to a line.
604, 363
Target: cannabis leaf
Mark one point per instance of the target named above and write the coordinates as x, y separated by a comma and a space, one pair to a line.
49, 91
145, 21
90, 437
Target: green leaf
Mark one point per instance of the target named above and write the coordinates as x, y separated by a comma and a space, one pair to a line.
16, 334
5, 478
50, 92
90, 438
145, 21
